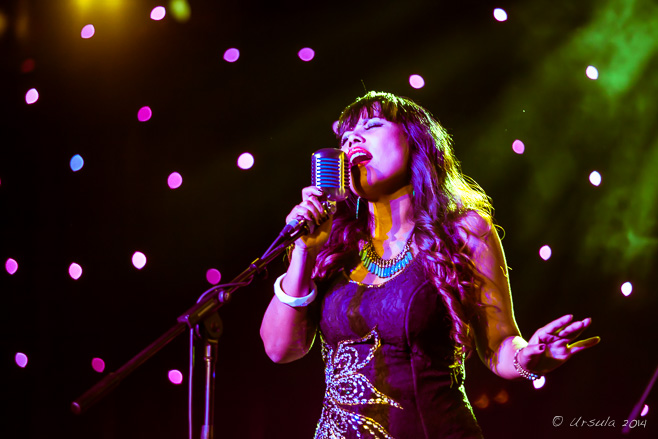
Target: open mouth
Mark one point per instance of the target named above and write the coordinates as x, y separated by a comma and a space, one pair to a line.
359, 156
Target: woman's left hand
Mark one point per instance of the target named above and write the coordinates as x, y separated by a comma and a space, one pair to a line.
551, 346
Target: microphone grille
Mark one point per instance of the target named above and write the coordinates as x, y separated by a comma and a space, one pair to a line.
330, 171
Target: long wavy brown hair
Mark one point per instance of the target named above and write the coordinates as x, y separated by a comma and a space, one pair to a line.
442, 196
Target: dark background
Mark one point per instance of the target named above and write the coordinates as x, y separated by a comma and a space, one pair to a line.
489, 83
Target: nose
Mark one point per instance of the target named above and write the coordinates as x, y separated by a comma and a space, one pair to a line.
352, 138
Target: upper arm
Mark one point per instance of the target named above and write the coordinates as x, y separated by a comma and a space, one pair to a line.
495, 319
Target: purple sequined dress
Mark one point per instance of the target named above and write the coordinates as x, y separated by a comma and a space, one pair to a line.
388, 357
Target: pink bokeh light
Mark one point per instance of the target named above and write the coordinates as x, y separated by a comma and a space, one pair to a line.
98, 364
31, 96
88, 31
20, 359
306, 54
231, 55
518, 147
11, 266
545, 252
139, 260
144, 114
213, 276
75, 271
245, 161
174, 180
416, 81
175, 376
158, 13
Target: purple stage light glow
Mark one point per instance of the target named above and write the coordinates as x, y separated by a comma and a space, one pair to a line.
175, 376
416, 81
11, 266
158, 13
545, 252
245, 161
518, 147
231, 55
213, 276
88, 31
174, 180
20, 359
98, 365
144, 114
75, 271
139, 260
31, 96
306, 54
645, 410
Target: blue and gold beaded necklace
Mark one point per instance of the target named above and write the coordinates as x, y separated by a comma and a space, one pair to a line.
384, 268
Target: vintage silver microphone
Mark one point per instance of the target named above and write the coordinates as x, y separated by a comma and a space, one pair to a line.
330, 171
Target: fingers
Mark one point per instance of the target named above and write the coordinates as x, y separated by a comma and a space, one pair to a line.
556, 325
581, 345
310, 208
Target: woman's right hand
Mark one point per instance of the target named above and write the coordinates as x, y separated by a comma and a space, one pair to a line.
311, 209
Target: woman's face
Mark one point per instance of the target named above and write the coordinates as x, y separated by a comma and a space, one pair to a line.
378, 152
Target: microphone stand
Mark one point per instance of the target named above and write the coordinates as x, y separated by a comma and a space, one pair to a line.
205, 312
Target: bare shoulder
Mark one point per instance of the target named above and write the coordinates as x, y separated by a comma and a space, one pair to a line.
473, 225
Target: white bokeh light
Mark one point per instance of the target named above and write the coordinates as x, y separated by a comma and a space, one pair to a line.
245, 161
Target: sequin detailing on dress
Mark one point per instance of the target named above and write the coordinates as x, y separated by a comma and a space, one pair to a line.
347, 386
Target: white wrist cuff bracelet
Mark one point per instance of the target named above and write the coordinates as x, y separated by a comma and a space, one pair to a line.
294, 301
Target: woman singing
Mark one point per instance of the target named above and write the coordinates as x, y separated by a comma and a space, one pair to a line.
403, 282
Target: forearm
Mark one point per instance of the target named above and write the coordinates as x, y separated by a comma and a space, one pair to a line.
501, 361
288, 332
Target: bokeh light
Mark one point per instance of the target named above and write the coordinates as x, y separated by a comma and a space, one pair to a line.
76, 163
158, 13
28, 65
545, 252
11, 266
20, 359
595, 178
416, 81
180, 9
231, 55
75, 271
539, 382
306, 54
500, 14
502, 397
334, 127
482, 402
645, 410
592, 72
174, 180
245, 161
31, 96
88, 31
98, 364
175, 376
213, 276
144, 114
139, 260
626, 288
518, 147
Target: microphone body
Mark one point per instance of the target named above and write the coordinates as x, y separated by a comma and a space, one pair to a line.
330, 171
